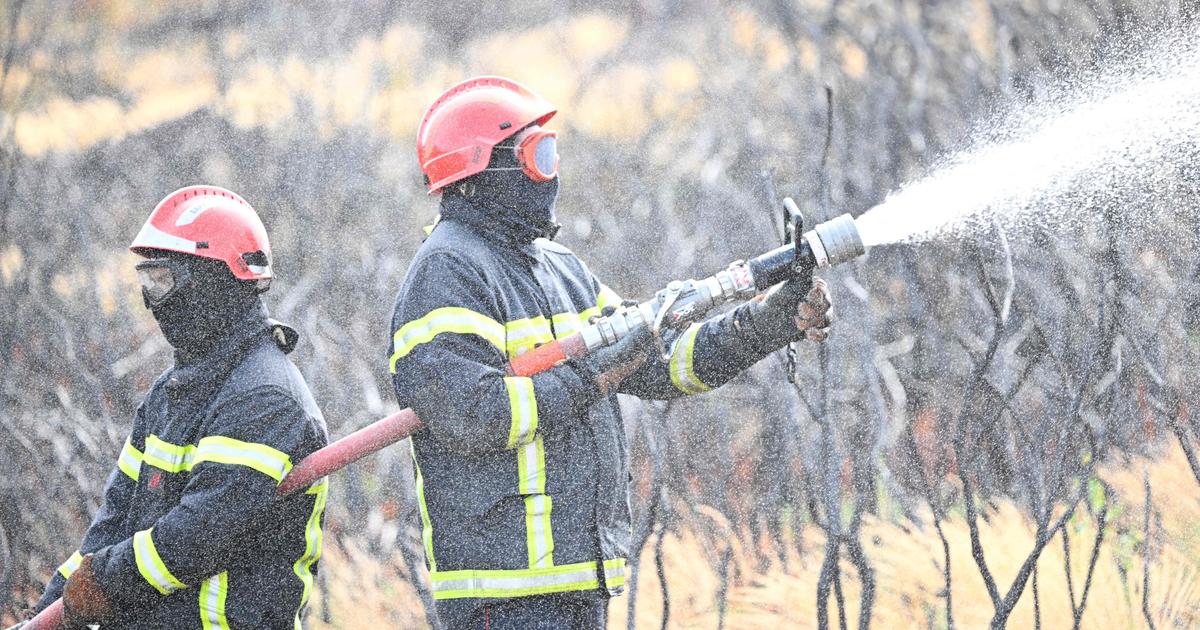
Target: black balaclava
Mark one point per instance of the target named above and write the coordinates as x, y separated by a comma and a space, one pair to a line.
508, 199
199, 315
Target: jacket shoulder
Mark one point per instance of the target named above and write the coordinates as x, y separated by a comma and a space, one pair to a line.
265, 365
552, 247
455, 239
452, 260
562, 256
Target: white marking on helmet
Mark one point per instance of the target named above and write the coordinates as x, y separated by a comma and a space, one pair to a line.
191, 213
153, 237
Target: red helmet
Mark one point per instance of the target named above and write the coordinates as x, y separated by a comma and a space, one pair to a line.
211, 222
461, 127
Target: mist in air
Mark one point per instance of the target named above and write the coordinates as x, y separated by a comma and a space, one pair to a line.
1130, 127
999, 432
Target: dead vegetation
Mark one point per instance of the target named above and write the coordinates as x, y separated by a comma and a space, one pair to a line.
975, 391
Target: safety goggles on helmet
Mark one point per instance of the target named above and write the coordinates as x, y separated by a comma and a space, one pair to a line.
537, 153
160, 278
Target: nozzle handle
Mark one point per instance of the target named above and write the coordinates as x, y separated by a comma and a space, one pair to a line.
782, 264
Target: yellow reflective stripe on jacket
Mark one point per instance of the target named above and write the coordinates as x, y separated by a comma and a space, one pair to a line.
523, 335
151, 566
614, 572
566, 324
520, 582
166, 456
72, 563
217, 449
682, 366
130, 461
539, 539
531, 479
313, 535
607, 297
450, 319
213, 593
523, 407
426, 523
224, 450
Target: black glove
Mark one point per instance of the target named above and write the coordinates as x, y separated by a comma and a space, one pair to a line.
787, 313
606, 367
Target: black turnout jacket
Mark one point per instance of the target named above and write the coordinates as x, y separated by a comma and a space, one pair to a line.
191, 534
523, 482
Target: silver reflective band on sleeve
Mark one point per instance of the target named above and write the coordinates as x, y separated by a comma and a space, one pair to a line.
523, 335
224, 450
682, 365
520, 582
167, 456
614, 572
72, 563
151, 566
130, 461
216, 449
449, 319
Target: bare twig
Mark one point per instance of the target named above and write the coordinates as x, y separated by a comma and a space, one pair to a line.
1147, 543
661, 569
1101, 522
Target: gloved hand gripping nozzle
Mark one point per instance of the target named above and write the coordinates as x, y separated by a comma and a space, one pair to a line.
683, 303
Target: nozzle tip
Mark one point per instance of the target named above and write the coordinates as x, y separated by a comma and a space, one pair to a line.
836, 241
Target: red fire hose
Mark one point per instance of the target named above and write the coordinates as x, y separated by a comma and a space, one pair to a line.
367, 440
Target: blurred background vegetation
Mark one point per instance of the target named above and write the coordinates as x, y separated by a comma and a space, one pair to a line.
998, 431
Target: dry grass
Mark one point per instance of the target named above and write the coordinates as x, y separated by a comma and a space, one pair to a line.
363, 592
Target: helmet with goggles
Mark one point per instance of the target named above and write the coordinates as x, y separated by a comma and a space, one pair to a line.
462, 127
205, 221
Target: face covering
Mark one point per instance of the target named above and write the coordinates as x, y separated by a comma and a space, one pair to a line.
202, 309
509, 198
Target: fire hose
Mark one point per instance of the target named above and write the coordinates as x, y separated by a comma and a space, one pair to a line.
671, 310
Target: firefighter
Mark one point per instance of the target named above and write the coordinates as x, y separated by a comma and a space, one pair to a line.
522, 482
190, 534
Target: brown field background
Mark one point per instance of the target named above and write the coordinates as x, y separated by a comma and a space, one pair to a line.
361, 591
683, 124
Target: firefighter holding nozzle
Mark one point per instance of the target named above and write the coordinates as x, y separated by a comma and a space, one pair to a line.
523, 481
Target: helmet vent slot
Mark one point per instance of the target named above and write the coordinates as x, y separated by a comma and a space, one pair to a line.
258, 258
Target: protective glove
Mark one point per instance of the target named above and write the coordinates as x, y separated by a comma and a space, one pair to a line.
787, 313
84, 602
20, 624
606, 367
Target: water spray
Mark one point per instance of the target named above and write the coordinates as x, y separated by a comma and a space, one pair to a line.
1131, 129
